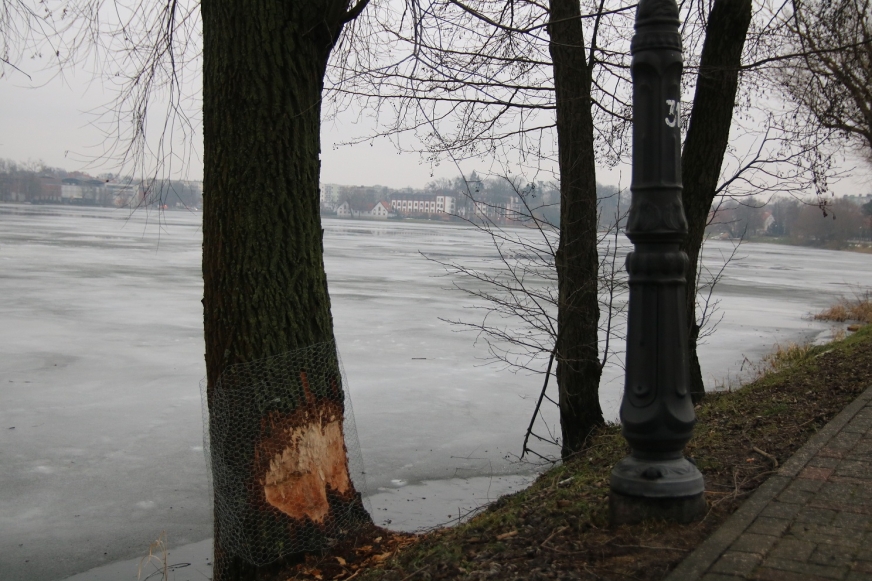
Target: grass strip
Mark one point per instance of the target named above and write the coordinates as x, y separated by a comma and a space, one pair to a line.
558, 527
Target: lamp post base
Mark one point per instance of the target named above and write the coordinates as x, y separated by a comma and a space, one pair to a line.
656, 478
633, 509
643, 489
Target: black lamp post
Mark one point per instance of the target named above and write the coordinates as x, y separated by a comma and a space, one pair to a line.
657, 415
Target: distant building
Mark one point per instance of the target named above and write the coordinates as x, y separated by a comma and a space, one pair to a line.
49, 191
85, 191
858, 199
381, 210
411, 204
79, 188
124, 195
358, 209
446, 204
344, 210
501, 210
330, 194
768, 222
71, 191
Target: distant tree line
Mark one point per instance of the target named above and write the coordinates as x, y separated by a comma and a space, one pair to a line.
836, 224
524, 198
36, 183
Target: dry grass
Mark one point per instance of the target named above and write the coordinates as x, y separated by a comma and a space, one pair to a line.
784, 357
157, 559
857, 308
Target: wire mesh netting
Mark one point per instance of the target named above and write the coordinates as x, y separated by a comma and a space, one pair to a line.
283, 455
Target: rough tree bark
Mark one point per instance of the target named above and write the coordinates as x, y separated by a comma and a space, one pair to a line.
578, 365
706, 143
265, 291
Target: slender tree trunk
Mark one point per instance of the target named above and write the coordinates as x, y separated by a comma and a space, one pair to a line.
265, 291
706, 142
578, 366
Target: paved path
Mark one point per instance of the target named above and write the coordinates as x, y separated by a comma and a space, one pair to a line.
811, 521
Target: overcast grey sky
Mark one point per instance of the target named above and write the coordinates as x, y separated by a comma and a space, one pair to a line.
51, 123
55, 124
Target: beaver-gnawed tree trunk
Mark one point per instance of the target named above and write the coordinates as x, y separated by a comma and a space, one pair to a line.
578, 365
706, 142
265, 291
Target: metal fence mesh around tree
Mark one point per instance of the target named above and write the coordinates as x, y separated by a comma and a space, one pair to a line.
283, 457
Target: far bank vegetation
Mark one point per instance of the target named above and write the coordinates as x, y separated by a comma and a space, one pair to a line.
837, 224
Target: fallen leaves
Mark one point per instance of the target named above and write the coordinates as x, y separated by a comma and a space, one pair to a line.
348, 559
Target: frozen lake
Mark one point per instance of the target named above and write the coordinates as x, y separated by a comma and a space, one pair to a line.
101, 335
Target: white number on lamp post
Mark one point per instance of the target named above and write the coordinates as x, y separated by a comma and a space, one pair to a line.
674, 112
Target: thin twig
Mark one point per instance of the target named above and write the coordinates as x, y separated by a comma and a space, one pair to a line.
652, 548
413, 573
555, 532
524, 449
767, 455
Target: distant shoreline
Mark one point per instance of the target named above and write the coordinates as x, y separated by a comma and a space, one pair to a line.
862, 248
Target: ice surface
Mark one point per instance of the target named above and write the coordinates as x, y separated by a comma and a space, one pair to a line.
413, 507
191, 562
101, 335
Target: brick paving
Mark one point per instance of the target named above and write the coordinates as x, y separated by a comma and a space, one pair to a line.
810, 521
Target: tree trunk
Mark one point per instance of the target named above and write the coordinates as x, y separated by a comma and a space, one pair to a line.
578, 366
265, 290
706, 142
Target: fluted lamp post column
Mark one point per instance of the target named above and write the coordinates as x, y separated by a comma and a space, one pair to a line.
657, 417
